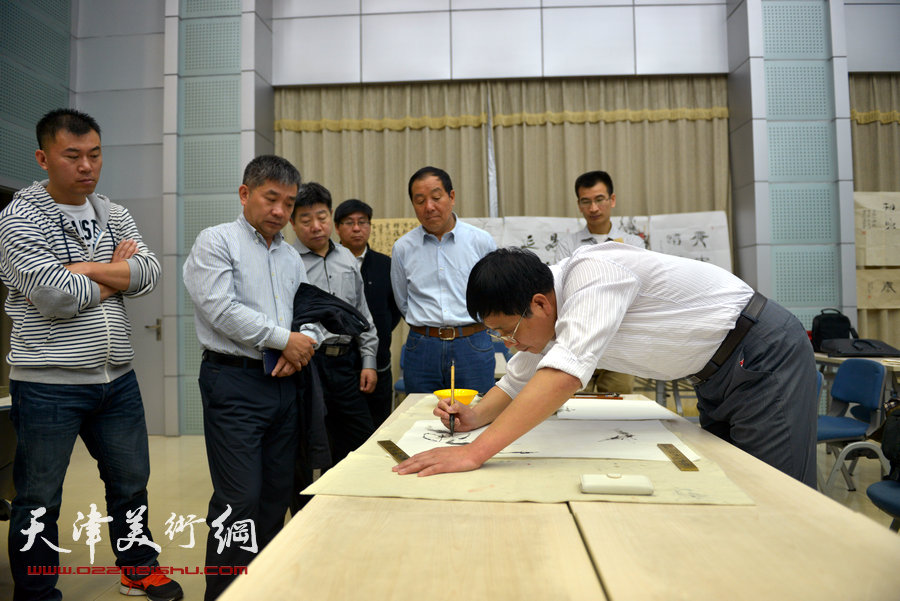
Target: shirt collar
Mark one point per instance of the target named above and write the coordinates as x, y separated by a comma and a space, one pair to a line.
276, 239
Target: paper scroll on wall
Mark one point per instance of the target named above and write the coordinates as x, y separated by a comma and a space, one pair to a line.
877, 236
878, 288
701, 236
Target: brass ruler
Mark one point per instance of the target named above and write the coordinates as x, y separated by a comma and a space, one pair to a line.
678, 458
396, 452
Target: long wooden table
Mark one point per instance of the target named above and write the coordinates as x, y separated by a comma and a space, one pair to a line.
794, 543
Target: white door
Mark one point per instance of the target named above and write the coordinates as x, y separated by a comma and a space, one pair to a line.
146, 314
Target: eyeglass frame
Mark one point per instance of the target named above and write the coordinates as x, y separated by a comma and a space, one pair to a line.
584, 202
510, 338
351, 223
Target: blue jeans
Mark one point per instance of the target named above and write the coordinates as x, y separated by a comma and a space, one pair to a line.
426, 365
47, 418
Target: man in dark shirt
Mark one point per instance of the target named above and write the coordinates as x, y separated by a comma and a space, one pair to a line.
353, 220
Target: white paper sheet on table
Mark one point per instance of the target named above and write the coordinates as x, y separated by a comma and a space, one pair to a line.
592, 439
613, 409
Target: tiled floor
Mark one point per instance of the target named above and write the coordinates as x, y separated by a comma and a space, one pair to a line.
179, 484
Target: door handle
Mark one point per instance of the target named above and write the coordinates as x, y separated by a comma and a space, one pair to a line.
157, 327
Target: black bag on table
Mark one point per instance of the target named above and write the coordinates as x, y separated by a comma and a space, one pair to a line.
858, 347
828, 324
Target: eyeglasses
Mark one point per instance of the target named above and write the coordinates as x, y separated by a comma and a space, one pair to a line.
511, 338
586, 202
360, 223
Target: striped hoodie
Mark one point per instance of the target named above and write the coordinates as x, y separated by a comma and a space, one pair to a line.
62, 333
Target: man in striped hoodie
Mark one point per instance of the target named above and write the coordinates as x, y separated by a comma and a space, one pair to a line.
68, 257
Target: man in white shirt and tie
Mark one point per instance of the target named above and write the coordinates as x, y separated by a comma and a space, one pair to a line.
640, 312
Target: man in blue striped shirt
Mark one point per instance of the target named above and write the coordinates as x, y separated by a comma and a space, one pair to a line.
242, 277
68, 257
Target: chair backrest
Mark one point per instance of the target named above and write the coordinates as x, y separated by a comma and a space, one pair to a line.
860, 381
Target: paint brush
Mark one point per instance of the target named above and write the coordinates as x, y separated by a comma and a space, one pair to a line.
452, 391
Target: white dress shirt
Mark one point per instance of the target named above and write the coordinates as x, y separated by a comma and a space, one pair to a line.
569, 242
634, 311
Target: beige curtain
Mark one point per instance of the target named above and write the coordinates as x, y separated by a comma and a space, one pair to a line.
664, 141
365, 141
875, 127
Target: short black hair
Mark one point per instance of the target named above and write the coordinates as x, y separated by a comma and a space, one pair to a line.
268, 167
504, 281
350, 206
425, 172
312, 193
70, 120
591, 179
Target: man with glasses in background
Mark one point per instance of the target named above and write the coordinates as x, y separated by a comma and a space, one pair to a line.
596, 200
353, 219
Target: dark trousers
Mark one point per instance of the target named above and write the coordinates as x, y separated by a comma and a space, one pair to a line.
48, 417
763, 398
381, 399
250, 424
347, 417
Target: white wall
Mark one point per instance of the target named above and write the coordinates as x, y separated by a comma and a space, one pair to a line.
352, 41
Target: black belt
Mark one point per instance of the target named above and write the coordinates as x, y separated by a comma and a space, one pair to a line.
745, 321
335, 350
232, 360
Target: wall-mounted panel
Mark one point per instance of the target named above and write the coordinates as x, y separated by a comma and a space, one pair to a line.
320, 50
132, 172
25, 96
402, 6
313, 8
798, 90
496, 43
795, 29
680, 39
201, 212
423, 54
119, 63
190, 9
804, 213
210, 46
873, 41
126, 116
32, 40
807, 275
486, 4
209, 164
572, 45
210, 104
17, 163
567, 3
801, 151
97, 18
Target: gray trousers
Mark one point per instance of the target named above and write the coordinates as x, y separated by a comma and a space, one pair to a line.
763, 399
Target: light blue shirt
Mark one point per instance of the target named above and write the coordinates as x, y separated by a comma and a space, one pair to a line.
243, 290
429, 276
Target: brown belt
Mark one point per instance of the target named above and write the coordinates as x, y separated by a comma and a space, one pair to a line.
449, 332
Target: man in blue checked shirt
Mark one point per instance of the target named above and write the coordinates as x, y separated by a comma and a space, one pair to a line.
242, 277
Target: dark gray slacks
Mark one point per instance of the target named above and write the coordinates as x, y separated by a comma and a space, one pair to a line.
764, 397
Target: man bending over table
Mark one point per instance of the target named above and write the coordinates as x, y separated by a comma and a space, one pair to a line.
636, 311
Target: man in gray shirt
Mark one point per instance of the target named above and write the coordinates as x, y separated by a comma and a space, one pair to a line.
242, 277
347, 366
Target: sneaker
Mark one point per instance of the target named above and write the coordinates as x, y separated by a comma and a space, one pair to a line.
156, 586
